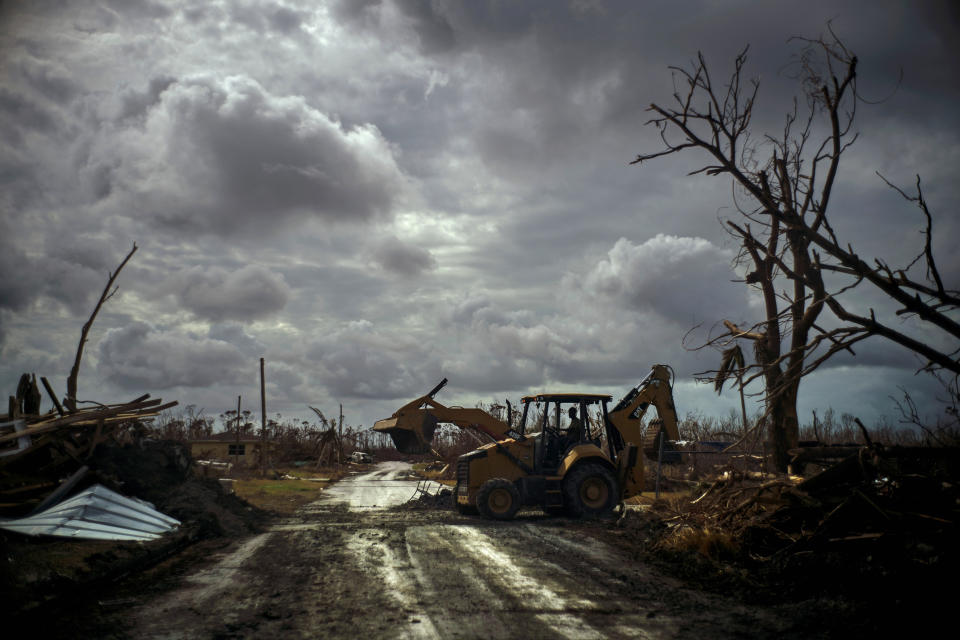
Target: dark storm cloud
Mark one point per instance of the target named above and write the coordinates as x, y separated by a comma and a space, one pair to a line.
240, 157
217, 294
135, 104
136, 9
71, 273
94, 253
268, 16
20, 111
454, 173
356, 12
139, 356
464, 312
235, 334
19, 283
49, 80
435, 33
401, 258
552, 73
362, 361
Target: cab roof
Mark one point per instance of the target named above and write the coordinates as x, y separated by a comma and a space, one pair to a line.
588, 398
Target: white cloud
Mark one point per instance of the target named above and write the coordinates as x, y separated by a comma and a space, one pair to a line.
685, 280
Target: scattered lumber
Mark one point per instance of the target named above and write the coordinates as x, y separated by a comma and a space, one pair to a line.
44, 455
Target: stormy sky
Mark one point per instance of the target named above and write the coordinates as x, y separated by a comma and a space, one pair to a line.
376, 194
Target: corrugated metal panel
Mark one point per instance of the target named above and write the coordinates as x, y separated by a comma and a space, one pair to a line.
96, 514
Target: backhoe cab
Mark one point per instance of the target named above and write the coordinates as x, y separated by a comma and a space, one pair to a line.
565, 452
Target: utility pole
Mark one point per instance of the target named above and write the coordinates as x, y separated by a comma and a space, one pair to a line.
263, 422
236, 449
340, 438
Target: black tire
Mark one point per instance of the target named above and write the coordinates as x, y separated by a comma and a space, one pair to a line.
462, 509
590, 490
498, 499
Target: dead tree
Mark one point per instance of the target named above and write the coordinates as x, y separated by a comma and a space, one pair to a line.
108, 292
782, 190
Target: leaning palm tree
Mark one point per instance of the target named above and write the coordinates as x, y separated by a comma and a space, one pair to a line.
732, 365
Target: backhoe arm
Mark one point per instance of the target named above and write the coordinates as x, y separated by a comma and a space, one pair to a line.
412, 426
656, 389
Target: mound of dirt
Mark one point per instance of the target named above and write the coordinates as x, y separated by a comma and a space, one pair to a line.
161, 472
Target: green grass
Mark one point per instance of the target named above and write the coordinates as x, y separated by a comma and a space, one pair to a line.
283, 496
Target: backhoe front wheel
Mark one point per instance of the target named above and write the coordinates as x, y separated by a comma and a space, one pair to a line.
590, 490
498, 498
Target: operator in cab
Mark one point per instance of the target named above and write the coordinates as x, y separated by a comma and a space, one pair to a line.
575, 428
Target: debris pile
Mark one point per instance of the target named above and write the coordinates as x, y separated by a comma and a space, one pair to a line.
41, 454
104, 498
877, 512
430, 495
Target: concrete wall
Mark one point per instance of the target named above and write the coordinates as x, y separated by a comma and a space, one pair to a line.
219, 450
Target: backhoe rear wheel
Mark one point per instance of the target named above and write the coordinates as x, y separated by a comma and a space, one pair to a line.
590, 490
499, 499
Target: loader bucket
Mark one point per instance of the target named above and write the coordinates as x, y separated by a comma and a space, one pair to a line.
411, 433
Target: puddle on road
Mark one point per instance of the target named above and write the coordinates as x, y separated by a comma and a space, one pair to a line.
384, 487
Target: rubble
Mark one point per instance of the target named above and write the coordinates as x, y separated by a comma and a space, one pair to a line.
861, 525
40, 451
430, 495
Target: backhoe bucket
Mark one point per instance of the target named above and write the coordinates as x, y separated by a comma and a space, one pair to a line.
411, 432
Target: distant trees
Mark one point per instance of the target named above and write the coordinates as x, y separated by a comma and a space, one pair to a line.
185, 424
791, 254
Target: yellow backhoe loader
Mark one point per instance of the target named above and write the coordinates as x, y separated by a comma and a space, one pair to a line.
566, 452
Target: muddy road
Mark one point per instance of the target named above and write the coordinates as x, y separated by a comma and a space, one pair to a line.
358, 564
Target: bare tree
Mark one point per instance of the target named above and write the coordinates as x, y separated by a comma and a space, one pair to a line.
108, 292
782, 191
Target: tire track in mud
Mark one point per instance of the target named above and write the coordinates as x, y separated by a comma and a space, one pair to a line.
466, 582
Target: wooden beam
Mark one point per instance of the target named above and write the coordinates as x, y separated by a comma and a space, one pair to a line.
62, 490
53, 396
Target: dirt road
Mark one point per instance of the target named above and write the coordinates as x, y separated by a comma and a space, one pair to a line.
356, 564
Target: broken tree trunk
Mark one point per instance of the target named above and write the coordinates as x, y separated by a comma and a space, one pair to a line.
71, 399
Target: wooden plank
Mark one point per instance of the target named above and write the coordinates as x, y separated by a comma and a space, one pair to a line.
28, 488
53, 396
89, 418
36, 445
95, 439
